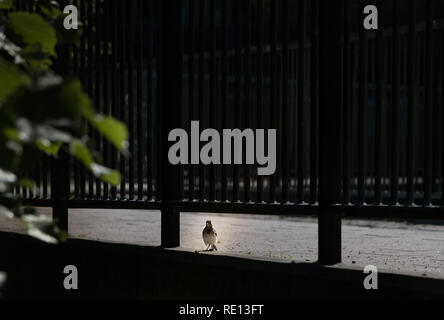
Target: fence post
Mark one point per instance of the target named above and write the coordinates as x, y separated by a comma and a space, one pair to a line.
330, 32
60, 189
60, 173
171, 103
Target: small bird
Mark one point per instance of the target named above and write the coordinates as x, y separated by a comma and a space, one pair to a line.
209, 236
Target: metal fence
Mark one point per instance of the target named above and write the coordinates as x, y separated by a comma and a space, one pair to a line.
359, 114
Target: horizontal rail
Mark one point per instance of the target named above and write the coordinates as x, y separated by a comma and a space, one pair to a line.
433, 213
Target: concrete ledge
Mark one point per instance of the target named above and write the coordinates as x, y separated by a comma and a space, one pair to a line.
35, 270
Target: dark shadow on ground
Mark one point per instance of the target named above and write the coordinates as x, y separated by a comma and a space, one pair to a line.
113, 271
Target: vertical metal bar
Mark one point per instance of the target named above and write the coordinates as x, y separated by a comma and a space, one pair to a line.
191, 46
75, 51
17, 190
159, 96
285, 113
212, 105
139, 103
150, 101
123, 81
201, 87
76, 66
246, 111
172, 87
395, 102
27, 6
386, 142
301, 99
106, 91
331, 19
238, 97
436, 111
314, 102
273, 89
45, 176
38, 178
114, 80
91, 82
279, 125
98, 36
83, 79
131, 125
260, 84
224, 89
23, 188
428, 116
442, 118
362, 133
378, 111
347, 106
60, 188
31, 190
60, 167
411, 99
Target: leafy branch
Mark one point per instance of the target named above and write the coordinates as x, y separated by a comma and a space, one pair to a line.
42, 112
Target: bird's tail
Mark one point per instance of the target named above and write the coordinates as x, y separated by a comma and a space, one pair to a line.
213, 246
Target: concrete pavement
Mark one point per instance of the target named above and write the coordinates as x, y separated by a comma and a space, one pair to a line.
391, 246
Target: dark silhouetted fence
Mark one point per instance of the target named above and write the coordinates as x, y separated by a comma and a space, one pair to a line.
359, 114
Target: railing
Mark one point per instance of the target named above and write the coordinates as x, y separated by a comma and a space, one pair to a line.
359, 114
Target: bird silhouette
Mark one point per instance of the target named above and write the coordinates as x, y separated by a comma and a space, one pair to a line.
209, 236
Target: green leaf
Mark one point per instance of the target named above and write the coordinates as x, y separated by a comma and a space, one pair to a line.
25, 129
113, 177
10, 47
32, 29
112, 129
78, 149
107, 175
5, 4
51, 98
49, 133
41, 227
49, 10
82, 153
51, 149
36, 59
6, 176
12, 134
27, 183
5, 212
73, 99
10, 79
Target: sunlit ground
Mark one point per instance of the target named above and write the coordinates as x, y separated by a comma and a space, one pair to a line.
396, 246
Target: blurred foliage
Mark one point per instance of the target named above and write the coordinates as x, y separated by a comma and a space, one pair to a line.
42, 112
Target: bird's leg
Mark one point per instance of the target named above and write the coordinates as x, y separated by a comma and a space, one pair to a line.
207, 247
